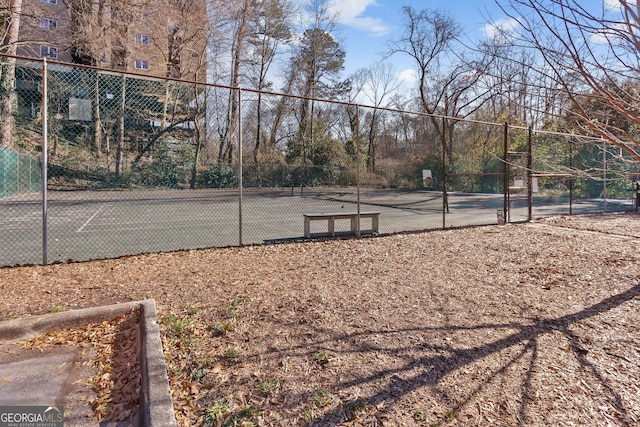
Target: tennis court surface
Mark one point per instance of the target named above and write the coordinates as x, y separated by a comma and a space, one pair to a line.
93, 225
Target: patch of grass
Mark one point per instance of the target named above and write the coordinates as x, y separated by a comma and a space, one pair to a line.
55, 309
199, 368
191, 311
322, 398
320, 355
322, 316
420, 416
199, 373
323, 357
232, 354
221, 328
308, 416
175, 326
357, 406
276, 417
268, 386
233, 311
450, 415
215, 412
243, 417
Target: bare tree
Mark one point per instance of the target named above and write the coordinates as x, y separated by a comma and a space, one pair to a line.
186, 58
448, 72
9, 27
10, 14
100, 34
239, 17
316, 65
283, 105
375, 84
520, 95
592, 56
271, 27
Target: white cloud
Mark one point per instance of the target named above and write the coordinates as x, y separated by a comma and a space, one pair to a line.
611, 4
500, 27
606, 36
408, 76
350, 13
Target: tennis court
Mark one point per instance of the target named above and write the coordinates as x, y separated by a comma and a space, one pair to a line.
92, 225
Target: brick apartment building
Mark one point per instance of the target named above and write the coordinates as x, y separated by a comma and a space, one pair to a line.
161, 38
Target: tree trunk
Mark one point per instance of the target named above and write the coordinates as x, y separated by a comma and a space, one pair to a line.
120, 146
199, 143
258, 128
371, 152
7, 104
8, 100
97, 125
225, 154
196, 158
280, 110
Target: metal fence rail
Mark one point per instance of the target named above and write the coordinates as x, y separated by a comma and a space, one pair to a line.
136, 165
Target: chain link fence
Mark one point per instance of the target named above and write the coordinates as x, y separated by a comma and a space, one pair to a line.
140, 165
20, 173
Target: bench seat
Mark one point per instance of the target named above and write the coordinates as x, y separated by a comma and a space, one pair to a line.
332, 217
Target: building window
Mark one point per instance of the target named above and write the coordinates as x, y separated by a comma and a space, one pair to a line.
142, 65
142, 39
48, 24
51, 52
49, 1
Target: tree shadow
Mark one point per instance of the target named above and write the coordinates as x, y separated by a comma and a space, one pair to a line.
433, 369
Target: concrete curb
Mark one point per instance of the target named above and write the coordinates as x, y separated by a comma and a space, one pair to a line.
156, 403
156, 406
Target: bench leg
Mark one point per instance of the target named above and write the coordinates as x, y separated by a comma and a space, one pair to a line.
374, 223
307, 228
354, 224
332, 227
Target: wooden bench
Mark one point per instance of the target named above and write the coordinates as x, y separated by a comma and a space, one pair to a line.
332, 217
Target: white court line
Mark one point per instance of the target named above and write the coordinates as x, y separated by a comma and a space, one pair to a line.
79, 230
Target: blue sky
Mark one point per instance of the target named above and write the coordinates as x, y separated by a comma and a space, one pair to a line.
366, 26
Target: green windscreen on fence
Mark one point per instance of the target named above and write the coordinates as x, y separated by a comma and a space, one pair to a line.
19, 173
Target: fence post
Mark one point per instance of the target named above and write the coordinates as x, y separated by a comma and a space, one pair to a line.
240, 183
4, 173
45, 149
357, 145
571, 180
445, 197
529, 174
604, 174
18, 174
505, 178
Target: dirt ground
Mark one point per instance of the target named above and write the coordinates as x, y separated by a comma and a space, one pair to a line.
530, 324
